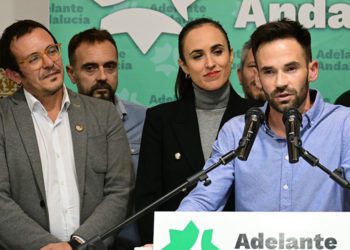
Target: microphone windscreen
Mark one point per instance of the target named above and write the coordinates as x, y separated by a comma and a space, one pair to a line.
291, 112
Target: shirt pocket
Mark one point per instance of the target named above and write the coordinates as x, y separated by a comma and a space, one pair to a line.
97, 153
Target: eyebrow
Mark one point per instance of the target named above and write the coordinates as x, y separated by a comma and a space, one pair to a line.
251, 64
96, 64
294, 63
110, 62
89, 64
266, 68
214, 47
217, 46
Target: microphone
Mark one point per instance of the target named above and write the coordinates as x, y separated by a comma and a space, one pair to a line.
292, 121
253, 119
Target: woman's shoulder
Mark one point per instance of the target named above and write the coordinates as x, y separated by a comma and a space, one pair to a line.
168, 107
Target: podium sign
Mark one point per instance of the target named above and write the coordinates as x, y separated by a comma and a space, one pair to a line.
251, 230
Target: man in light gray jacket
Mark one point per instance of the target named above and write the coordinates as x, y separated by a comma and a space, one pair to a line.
65, 169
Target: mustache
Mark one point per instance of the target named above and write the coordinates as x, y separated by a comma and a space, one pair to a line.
284, 90
102, 85
53, 70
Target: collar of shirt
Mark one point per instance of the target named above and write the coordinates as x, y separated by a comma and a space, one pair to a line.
308, 117
120, 108
34, 104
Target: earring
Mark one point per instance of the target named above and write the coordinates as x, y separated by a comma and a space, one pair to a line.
187, 76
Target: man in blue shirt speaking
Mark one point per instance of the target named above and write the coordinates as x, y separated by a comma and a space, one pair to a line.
267, 181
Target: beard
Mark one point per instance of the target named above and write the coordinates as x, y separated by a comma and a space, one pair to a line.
102, 90
252, 92
296, 102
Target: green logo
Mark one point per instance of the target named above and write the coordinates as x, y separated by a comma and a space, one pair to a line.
185, 239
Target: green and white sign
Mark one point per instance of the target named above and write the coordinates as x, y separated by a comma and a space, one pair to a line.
146, 34
250, 230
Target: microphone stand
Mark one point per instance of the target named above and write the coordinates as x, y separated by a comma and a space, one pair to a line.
96, 242
336, 175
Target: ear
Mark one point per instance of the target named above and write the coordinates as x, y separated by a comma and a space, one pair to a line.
313, 71
239, 75
183, 66
70, 73
13, 75
231, 56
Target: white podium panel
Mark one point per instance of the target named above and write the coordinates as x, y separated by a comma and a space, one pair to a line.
251, 230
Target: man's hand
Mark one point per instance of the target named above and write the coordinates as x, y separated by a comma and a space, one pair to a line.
57, 246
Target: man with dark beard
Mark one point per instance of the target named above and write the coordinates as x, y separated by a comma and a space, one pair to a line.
93, 58
268, 181
93, 67
248, 75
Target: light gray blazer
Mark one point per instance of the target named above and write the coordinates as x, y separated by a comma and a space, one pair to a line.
103, 166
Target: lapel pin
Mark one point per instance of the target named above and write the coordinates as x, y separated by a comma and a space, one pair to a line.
79, 127
177, 156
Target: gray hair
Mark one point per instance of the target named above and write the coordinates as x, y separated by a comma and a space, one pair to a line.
246, 47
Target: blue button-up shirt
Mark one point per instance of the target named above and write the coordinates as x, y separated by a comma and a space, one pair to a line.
267, 181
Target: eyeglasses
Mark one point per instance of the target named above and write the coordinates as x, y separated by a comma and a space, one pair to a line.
35, 60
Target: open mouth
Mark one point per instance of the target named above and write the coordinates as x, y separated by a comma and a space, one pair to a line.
282, 97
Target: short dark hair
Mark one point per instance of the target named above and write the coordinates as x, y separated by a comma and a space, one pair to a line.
183, 85
284, 28
15, 31
88, 36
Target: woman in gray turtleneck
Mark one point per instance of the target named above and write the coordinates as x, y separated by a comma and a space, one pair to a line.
177, 136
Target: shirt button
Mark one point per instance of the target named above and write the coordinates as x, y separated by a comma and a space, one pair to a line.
286, 157
42, 203
285, 187
177, 156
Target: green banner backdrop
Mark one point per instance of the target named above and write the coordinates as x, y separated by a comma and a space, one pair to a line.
146, 34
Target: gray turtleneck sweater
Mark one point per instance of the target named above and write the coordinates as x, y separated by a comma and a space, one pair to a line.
210, 107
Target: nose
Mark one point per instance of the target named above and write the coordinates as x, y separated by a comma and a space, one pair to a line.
101, 73
280, 79
209, 63
47, 61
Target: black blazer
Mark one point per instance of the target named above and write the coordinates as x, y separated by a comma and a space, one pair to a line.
172, 129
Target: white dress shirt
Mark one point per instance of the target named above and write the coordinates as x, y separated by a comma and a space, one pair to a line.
57, 160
